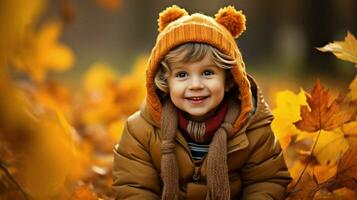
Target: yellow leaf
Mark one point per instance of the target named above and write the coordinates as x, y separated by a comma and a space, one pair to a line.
330, 146
286, 112
131, 88
41, 51
98, 77
344, 50
323, 173
350, 129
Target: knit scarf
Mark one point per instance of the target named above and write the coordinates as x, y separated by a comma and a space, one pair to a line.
217, 169
202, 132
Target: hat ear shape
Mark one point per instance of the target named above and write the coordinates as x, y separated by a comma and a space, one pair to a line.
232, 19
169, 15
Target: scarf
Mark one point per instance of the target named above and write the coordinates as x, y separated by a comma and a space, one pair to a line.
217, 169
202, 132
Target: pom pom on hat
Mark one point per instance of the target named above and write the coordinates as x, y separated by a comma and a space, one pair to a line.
232, 19
169, 15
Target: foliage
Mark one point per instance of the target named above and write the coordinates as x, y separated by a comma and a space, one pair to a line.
320, 146
56, 142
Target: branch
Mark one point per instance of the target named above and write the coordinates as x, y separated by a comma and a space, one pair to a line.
3, 167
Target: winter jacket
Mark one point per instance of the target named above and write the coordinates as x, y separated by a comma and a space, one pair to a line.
257, 170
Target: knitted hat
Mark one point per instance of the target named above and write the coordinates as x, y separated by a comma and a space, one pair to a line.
177, 27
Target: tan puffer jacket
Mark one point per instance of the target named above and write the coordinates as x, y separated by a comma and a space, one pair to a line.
256, 165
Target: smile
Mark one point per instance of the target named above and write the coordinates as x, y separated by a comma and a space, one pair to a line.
196, 99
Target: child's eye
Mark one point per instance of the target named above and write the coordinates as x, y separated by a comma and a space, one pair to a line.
208, 73
181, 74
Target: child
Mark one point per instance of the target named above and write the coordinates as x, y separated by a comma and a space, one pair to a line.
204, 132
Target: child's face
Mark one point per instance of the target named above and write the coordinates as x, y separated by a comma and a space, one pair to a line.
197, 88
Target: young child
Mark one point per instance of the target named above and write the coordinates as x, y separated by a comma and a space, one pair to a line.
204, 132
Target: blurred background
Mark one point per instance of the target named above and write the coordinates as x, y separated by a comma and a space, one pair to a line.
73, 71
279, 44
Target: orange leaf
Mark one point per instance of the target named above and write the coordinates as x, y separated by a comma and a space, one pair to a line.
322, 114
344, 50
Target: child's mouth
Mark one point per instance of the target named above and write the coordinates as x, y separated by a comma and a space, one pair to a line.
196, 100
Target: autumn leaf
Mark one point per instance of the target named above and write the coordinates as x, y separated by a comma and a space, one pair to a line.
286, 112
305, 190
99, 83
347, 168
350, 129
330, 147
41, 52
345, 193
16, 18
131, 89
98, 77
344, 50
322, 113
323, 173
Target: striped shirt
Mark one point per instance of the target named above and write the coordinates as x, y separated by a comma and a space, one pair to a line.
198, 150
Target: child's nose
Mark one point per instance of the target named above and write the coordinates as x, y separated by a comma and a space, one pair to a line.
196, 83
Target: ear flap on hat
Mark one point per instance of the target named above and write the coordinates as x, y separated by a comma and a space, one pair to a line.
169, 15
232, 19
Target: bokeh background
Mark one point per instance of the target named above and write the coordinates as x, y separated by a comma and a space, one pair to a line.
279, 43
72, 71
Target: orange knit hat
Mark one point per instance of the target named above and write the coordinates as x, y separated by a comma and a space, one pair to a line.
177, 27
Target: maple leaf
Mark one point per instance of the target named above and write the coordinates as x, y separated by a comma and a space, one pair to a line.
344, 50
322, 114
